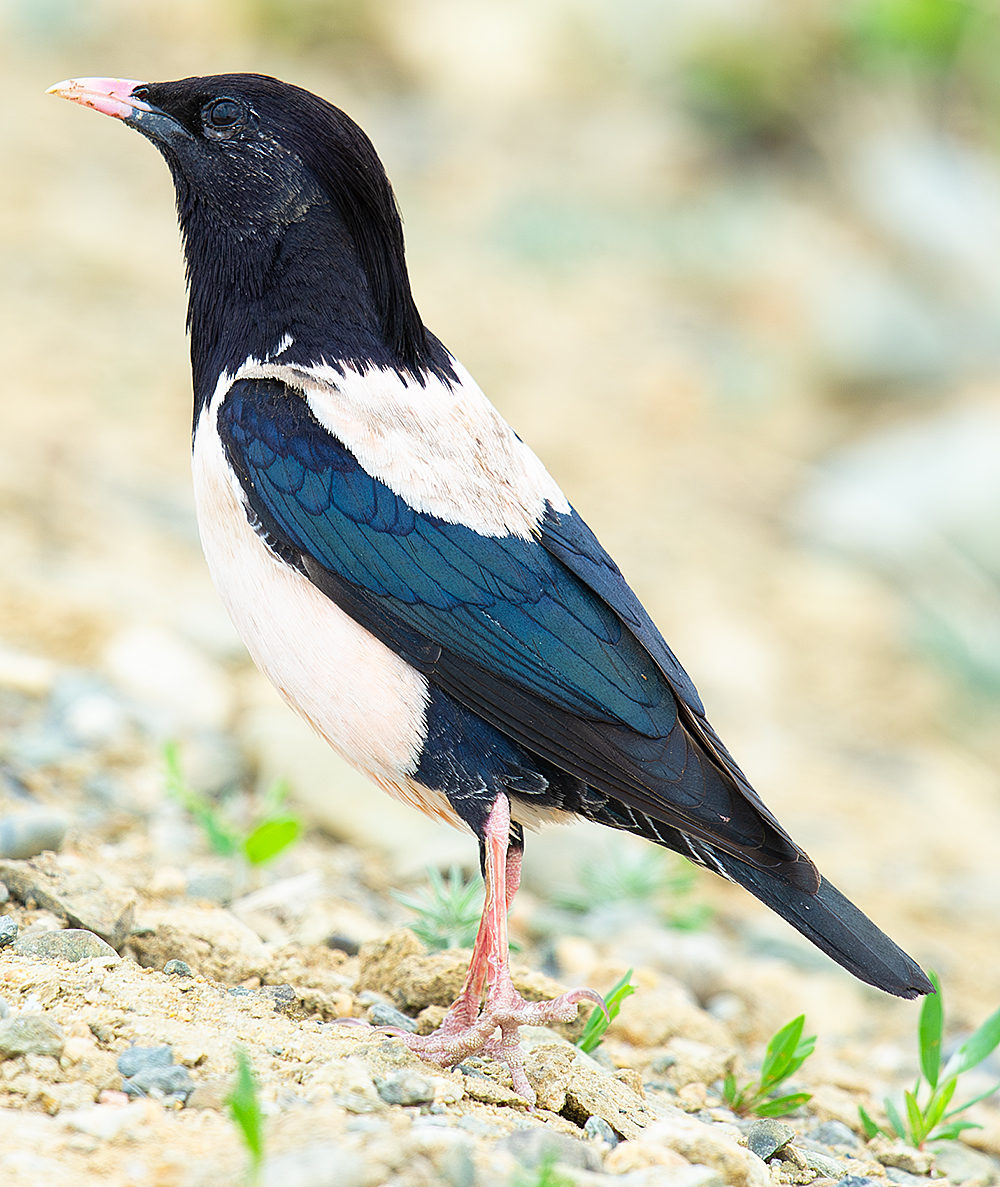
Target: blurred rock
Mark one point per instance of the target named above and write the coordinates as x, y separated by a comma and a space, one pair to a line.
599, 1131
345, 1082
79, 896
30, 1034
835, 1133
637, 1155
533, 1147
8, 930
174, 686
138, 1059
177, 968
70, 943
28, 674
322, 1164
650, 1018
893, 1152
173, 1081
26, 834
382, 1014
209, 940
405, 1087
694, 1062
966, 1166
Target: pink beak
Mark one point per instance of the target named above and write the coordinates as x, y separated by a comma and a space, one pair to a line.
112, 96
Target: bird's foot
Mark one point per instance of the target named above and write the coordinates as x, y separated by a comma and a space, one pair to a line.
493, 1030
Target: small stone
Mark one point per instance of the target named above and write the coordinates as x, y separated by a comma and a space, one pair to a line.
905, 1179
26, 834
597, 1129
178, 968
766, 1137
81, 898
138, 1059
382, 1014
8, 930
321, 1165
835, 1133
162, 1081
591, 1093
30, 1034
345, 1082
72, 943
405, 1087
711, 1145
858, 1181
895, 1153
963, 1165
209, 940
639, 1155
532, 1147
283, 996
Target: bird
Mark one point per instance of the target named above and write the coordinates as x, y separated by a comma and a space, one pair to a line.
402, 566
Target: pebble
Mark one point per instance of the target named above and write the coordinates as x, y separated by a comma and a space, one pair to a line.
383, 1014
405, 1087
8, 930
25, 834
81, 898
963, 1165
138, 1059
165, 1081
72, 943
178, 968
835, 1133
533, 1147
597, 1129
767, 1136
30, 1034
858, 1181
321, 1165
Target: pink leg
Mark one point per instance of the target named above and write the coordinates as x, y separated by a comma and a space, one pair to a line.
467, 1029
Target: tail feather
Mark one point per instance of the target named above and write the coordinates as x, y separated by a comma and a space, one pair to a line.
835, 925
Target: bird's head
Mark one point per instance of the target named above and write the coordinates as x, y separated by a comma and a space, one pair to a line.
259, 164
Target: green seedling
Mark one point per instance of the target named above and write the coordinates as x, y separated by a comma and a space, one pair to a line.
275, 828
545, 1174
244, 1108
928, 1117
447, 911
786, 1053
600, 1020
646, 878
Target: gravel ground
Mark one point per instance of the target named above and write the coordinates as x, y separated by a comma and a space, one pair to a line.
673, 395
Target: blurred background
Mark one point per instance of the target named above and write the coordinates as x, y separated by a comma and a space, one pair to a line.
731, 267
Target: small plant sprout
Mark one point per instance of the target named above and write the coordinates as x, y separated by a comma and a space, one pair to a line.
244, 1108
275, 828
545, 1174
786, 1053
600, 1020
927, 1115
448, 911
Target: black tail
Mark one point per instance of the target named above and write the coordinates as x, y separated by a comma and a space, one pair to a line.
834, 924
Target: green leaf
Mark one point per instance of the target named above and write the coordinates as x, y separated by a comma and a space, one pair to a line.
782, 1105
939, 1101
894, 1119
729, 1093
782, 1050
269, 838
977, 1046
244, 1109
948, 1133
975, 1101
916, 1119
869, 1126
600, 1020
930, 1031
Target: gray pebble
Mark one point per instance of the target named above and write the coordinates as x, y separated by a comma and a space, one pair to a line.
858, 1181
905, 1179
835, 1133
72, 943
30, 1034
382, 1014
8, 930
532, 1147
162, 1081
26, 834
405, 1087
597, 1129
767, 1136
178, 968
321, 1165
138, 1059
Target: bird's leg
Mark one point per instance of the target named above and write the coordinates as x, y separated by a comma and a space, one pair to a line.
467, 1029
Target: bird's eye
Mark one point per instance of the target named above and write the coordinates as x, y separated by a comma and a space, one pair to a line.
223, 117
